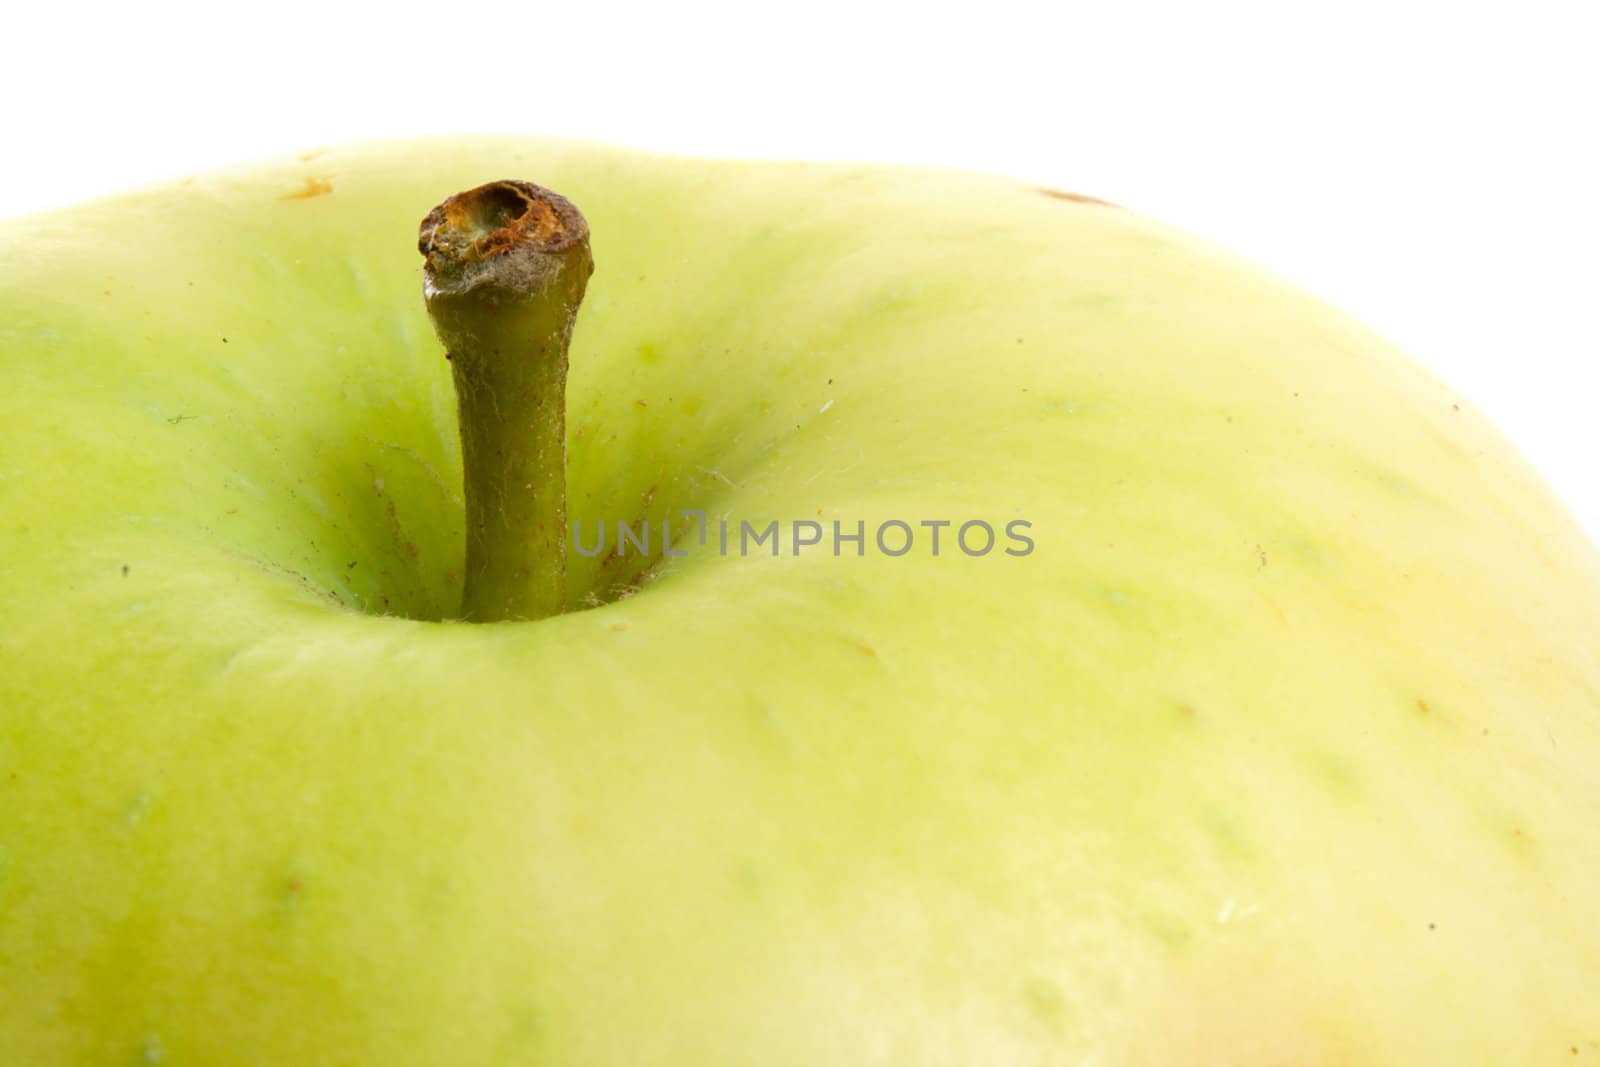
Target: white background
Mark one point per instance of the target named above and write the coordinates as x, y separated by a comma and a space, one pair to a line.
1430, 167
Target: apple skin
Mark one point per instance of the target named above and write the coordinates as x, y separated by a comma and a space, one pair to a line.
1281, 747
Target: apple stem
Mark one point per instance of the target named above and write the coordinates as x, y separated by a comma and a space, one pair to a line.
506, 268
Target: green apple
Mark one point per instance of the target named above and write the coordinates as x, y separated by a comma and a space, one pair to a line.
1276, 741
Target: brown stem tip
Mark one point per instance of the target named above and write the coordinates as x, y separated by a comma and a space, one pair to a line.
501, 233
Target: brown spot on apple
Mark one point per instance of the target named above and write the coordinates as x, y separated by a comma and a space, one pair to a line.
313, 188
1076, 198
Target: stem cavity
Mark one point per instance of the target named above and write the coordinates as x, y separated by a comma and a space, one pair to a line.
506, 268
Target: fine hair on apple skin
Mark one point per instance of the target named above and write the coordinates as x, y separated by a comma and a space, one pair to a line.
505, 268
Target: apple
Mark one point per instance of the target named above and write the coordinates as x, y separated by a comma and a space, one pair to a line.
1266, 731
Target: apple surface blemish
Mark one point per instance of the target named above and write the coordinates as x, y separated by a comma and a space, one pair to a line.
1045, 1001
1076, 198
138, 808
311, 188
288, 893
